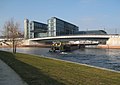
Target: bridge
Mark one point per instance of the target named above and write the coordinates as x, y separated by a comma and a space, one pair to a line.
109, 40
75, 37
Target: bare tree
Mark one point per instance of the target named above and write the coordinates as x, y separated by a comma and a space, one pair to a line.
11, 31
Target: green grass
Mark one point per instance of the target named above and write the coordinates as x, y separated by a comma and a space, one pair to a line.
43, 71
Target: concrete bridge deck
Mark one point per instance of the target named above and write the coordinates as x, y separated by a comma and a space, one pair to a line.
75, 37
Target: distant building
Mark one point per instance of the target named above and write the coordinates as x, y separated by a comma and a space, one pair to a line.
38, 29
26, 29
34, 29
55, 27
58, 27
91, 32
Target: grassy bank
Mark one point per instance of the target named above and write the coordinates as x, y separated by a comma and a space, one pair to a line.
43, 71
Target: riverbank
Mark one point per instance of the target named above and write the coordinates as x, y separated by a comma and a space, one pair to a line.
108, 47
41, 46
38, 70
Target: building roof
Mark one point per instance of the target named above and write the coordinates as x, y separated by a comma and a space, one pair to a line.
98, 32
64, 21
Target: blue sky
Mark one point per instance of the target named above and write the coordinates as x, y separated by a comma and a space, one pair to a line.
87, 14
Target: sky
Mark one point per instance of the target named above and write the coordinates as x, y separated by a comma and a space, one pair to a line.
87, 14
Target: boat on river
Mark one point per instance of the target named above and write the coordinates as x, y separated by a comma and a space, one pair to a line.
63, 47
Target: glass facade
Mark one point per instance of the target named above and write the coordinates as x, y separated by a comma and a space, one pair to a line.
55, 27
37, 29
58, 27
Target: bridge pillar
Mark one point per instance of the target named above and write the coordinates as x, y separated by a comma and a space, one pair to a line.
114, 41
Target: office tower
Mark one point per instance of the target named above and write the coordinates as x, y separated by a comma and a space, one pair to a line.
58, 27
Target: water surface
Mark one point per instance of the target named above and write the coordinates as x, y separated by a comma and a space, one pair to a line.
105, 58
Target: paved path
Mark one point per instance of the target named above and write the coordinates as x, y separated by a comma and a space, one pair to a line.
8, 76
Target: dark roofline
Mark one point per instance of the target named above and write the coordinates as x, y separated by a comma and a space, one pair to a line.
98, 30
39, 22
65, 21
94, 31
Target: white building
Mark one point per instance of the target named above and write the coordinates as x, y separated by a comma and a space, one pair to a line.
26, 29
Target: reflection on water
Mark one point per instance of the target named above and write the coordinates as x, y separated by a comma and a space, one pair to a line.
106, 58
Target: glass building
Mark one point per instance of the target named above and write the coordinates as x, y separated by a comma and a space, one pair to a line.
58, 27
34, 29
38, 29
55, 27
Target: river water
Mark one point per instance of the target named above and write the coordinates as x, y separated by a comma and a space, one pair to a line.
105, 58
